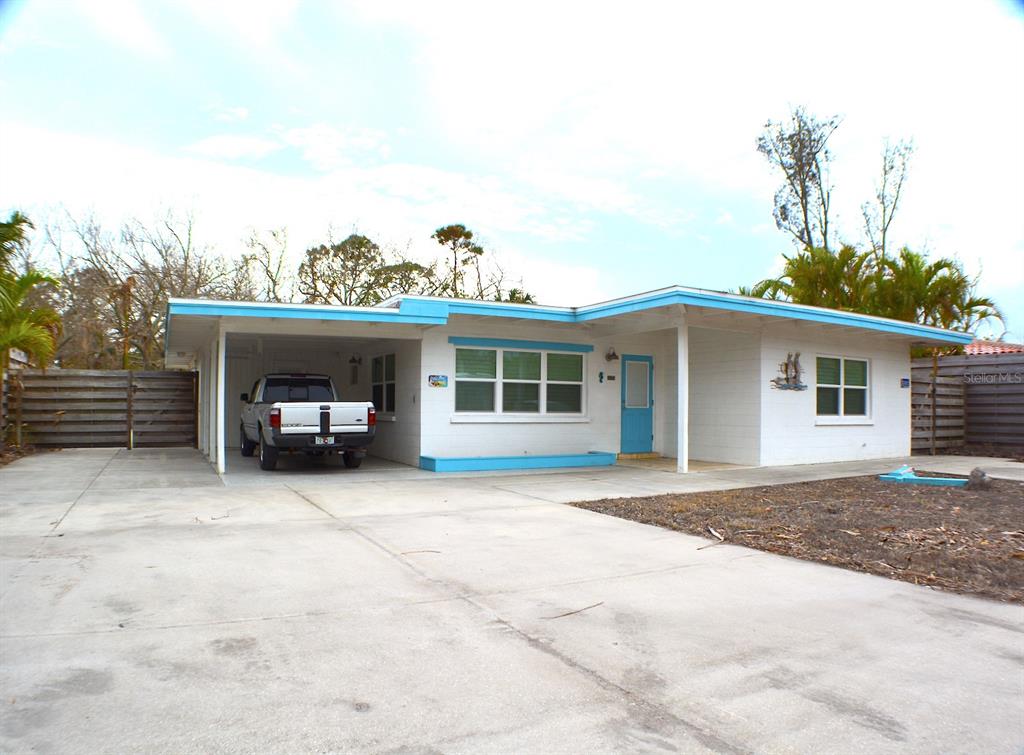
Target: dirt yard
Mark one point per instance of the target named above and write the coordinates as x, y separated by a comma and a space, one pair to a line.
951, 538
986, 449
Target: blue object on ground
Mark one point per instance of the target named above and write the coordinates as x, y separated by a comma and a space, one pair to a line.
488, 463
906, 474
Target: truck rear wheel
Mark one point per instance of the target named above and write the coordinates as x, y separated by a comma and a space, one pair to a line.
268, 455
247, 445
351, 460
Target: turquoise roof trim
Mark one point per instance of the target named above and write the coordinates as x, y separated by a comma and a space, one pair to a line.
301, 312
424, 310
769, 308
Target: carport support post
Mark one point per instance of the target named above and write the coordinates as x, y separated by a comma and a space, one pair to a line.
683, 394
221, 403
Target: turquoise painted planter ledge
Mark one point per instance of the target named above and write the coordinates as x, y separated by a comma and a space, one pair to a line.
906, 474
492, 463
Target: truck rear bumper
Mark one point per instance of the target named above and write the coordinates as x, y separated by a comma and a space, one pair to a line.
355, 442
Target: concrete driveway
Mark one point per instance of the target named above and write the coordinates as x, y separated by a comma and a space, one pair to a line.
148, 607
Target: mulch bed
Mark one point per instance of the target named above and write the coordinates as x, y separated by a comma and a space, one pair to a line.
961, 540
12, 453
987, 449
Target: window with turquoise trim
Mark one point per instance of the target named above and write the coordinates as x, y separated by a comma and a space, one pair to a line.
476, 371
565, 384
842, 387
518, 381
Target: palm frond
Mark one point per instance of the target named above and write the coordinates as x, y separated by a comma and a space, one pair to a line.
35, 340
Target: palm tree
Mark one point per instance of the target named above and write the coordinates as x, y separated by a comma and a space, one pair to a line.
817, 276
906, 287
32, 329
13, 237
909, 287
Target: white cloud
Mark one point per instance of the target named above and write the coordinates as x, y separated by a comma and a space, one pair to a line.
230, 114
682, 91
123, 22
255, 28
553, 282
327, 148
233, 147
573, 115
398, 204
249, 23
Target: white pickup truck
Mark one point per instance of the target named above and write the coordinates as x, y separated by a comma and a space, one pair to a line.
298, 412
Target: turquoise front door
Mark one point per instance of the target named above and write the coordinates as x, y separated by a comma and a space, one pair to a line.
637, 404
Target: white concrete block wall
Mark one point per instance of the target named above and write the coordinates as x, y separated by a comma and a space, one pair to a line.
725, 396
791, 431
445, 434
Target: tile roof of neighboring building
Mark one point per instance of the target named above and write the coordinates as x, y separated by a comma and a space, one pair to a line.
981, 346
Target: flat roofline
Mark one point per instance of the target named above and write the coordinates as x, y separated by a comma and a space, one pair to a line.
435, 310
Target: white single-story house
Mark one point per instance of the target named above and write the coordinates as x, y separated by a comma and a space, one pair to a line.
680, 372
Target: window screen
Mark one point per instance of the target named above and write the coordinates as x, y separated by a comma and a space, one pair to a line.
637, 385
842, 389
516, 381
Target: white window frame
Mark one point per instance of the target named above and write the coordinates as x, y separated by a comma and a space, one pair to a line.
842, 418
543, 415
387, 411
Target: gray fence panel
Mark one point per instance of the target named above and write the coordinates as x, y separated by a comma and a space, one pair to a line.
993, 394
88, 408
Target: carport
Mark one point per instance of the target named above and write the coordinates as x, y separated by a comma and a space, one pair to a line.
371, 354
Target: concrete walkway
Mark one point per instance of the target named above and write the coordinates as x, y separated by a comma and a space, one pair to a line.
111, 468
146, 606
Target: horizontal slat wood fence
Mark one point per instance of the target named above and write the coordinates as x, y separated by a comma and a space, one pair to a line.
937, 413
83, 408
993, 394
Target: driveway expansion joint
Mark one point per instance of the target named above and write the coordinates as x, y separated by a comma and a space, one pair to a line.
636, 705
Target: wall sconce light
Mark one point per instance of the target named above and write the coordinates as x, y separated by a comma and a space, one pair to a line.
356, 359
610, 355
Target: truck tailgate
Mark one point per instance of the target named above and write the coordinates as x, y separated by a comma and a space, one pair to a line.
312, 418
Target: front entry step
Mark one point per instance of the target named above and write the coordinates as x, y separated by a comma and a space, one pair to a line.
640, 456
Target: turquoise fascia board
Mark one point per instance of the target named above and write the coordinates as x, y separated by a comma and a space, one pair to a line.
796, 312
505, 343
494, 463
424, 308
368, 314
694, 298
424, 311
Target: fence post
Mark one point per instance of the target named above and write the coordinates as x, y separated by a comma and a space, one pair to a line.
935, 381
195, 408
19, 395
131, 422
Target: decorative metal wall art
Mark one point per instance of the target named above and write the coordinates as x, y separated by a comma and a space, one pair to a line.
790, 372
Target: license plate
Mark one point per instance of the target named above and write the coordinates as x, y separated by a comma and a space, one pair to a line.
323, 440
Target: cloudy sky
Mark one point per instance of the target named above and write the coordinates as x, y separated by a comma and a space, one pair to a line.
597, 152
